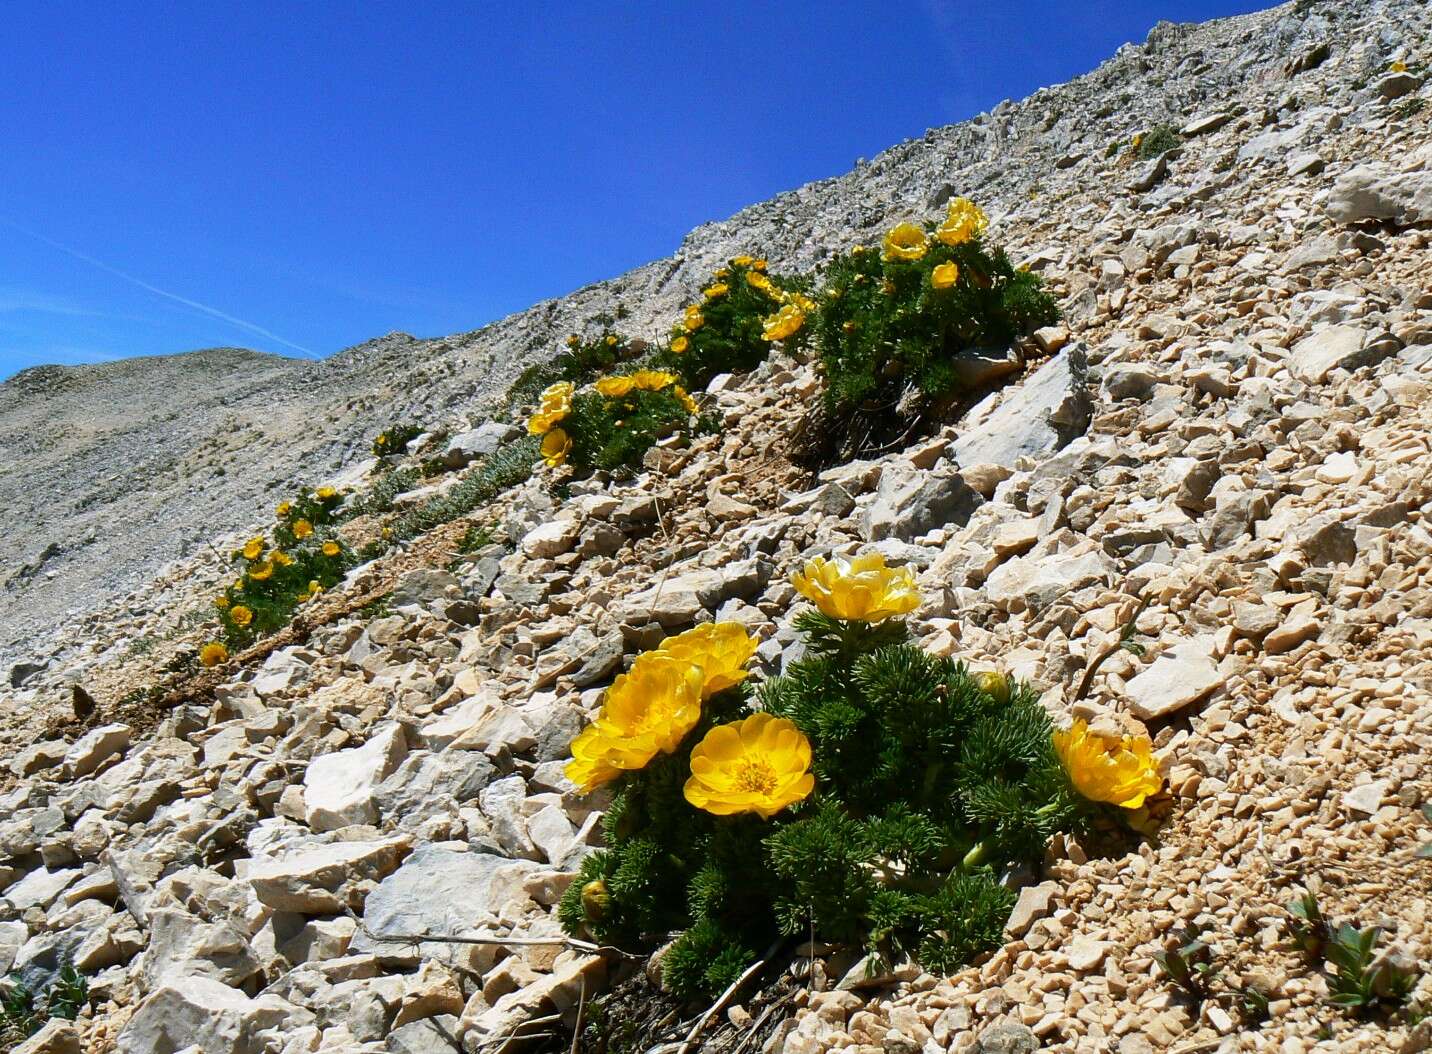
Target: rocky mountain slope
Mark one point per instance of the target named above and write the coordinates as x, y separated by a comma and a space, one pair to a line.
280, 861
270, 422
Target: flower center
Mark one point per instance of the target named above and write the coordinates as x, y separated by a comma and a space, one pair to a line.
755, 776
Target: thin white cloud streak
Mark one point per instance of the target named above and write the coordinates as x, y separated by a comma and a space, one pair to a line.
213, 312
14, 299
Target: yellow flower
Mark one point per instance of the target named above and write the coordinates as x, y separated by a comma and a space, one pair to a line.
905, 242
253, 548
284, 508
325, 493
760, 765
694, 319
718, 290
559, 394
742, 261
1397, 67
556, 445
721, 649
281, 558
221, 602
1136, 140
213, 653
261, 571
331, 548
314, 588
652, 380
302, 529
241, 615
611, 341
614, 387
679, 345
647, 711
1115, 769
800, 300
758, 265
964, 221
784, 323
686, 400
573, 340
756, 280
945, 275
556, 405
861, 590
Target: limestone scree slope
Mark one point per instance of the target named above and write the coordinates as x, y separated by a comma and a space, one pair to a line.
1233, 423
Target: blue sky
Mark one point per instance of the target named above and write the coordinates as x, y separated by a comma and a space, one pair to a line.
299, 177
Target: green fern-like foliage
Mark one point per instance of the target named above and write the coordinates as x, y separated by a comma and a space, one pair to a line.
583, 359
927, 788
609, 432
725, 331
888, 329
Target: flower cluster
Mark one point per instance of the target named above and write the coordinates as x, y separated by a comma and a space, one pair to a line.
743, 311
554, 408
651, 708
893, 322
872, 794
613, 423
277, 574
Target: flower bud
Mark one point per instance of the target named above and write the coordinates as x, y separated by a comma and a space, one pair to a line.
993, 684
596, 901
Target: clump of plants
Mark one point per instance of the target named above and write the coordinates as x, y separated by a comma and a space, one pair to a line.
303, 556
1156, 142
23, 1012
744, 310
614, 422
1362, 980
394, 439
505, 467
872, 796
1190, 964
894, 321
583, 360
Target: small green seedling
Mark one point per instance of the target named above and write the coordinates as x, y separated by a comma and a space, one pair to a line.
1310, 930
1362, 981
1189, 963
